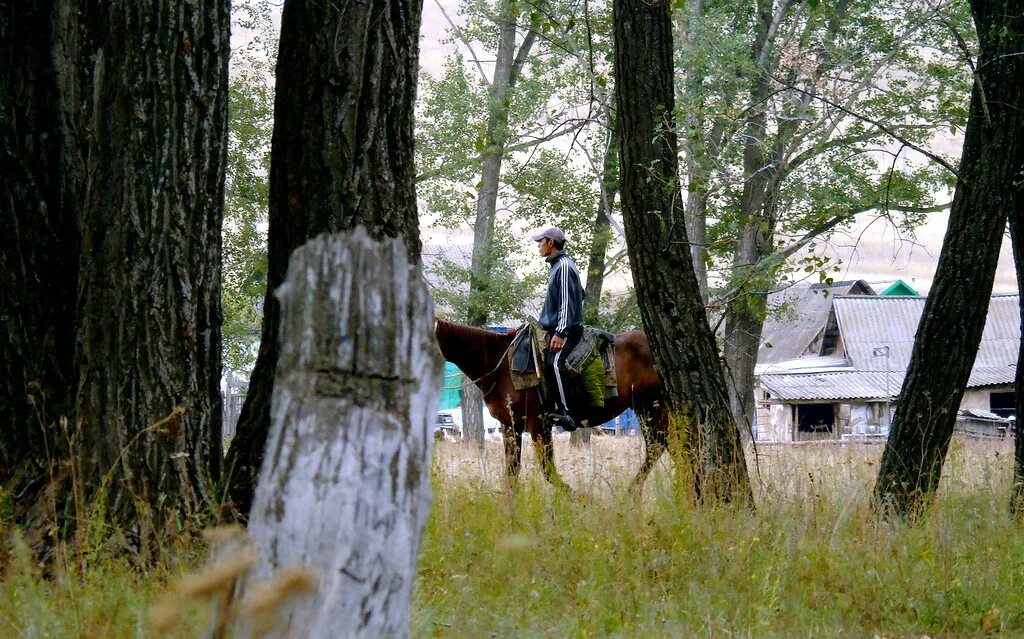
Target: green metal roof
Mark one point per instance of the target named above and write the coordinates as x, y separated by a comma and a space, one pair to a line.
899, 287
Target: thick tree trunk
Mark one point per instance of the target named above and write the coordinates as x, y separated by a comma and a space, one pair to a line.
988, 189
358, 380
670, 302
38, 256
341, 155
147, 433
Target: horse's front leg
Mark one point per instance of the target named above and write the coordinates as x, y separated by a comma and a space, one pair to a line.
513, 452
542, 442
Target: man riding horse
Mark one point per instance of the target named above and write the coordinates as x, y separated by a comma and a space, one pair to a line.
562, 318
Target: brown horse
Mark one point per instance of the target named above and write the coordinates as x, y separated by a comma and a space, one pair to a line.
479, 354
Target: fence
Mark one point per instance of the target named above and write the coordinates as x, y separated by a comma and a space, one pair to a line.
233, 397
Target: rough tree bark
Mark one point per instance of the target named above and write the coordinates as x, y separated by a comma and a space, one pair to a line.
670, 302
147, 433
38, 255
1017, 237
111, 255
341, 155
357, 385
954, 316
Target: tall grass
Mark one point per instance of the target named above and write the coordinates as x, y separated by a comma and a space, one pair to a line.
110, 598
812, 561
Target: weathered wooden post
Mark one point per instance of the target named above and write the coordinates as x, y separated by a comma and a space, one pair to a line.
345, 486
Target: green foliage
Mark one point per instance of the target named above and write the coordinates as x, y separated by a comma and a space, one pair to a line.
543, 181
250, 125
511, 285
836, 75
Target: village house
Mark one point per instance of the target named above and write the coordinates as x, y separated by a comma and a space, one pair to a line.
833, 360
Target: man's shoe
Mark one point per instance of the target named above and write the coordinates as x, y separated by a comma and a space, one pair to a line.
558, 419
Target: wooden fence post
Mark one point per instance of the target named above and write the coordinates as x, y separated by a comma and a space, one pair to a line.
344, 490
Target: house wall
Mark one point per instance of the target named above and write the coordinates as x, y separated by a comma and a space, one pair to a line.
979, 397
775, 420
775, 423
975, 399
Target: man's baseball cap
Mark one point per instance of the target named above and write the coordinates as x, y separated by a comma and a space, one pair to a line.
551, 233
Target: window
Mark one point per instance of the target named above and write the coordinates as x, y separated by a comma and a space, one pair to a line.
815, 421
1003, 403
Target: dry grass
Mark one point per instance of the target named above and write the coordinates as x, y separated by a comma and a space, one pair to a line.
812, 561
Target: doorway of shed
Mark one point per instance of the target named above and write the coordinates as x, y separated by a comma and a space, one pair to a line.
815, 421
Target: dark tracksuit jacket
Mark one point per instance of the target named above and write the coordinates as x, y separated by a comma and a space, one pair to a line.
563, 306
561, 314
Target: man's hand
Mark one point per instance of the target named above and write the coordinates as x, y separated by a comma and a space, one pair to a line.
557, 343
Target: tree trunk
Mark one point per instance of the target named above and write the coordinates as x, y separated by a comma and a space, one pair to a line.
988, 189
597, 263
472, 415
745, 315
1017, 237
689, 17
341, 155
602, 230
357, 384
505, 75
670, 303
38, 256
148, 408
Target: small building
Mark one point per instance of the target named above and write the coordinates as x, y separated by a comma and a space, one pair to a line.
846, 383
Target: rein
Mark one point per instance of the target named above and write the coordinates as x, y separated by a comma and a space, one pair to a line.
501, 360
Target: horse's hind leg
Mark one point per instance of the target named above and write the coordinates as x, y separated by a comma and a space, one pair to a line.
654, 426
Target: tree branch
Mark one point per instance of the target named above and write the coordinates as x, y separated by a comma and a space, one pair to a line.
465, 43
884, 129
472, 161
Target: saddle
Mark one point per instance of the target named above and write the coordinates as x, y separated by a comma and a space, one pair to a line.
591, 363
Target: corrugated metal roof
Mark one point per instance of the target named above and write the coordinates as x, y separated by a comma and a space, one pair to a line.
803, 365
992, 376
840, 385
868, 323
796, 316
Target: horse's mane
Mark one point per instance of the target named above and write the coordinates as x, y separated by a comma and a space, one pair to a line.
464, 332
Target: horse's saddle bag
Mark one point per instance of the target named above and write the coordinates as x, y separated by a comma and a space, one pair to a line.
592, 360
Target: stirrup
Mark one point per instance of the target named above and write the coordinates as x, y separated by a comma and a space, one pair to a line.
558, 419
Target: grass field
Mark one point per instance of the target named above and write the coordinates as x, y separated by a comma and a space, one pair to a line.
811, 562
